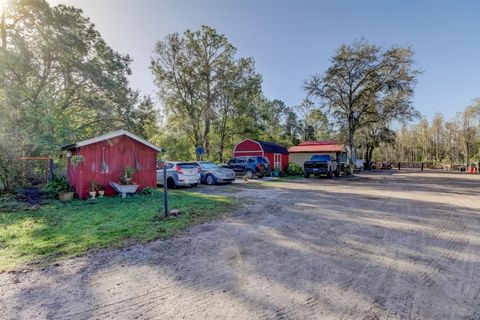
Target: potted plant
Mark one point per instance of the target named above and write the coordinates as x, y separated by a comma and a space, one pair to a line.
101, 190
59, 186
93, 189
127, 176
126, 185
76, 160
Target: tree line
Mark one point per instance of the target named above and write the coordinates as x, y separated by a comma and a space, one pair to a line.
61, 82
439, 141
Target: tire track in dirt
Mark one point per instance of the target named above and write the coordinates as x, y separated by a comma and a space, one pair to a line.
363, 279
145, 299
435, 270
454, 231
473, 223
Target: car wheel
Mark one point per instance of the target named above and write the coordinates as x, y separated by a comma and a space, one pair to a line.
249, 174
210, 179
194, 184
306, 175
337, 173
171, 184
330, 174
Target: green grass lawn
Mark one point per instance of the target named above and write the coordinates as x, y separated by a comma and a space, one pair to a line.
58, 230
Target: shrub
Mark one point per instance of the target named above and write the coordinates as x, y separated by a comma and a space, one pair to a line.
294, 169
148, 190
58, 183
11, 170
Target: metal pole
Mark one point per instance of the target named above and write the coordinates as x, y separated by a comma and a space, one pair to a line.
165, 191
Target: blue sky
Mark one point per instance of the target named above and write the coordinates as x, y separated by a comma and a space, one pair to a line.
291, 40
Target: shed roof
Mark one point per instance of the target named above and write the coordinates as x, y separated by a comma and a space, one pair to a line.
111, 135
272, 147
318, 146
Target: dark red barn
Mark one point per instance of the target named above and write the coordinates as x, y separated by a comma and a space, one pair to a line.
276, 154
104, 158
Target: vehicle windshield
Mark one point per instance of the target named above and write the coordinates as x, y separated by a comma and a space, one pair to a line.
208, 165
187, 165
321, 157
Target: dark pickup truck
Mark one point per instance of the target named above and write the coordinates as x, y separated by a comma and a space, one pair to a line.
249, 166
321, 164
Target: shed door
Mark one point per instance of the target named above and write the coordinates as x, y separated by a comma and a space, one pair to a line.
277, 161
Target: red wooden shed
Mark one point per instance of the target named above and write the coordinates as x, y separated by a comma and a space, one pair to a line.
104, 158
276, 154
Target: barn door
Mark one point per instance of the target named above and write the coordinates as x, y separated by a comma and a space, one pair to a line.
277, 161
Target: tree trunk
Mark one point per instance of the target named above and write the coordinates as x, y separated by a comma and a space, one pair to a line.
351, 144
3, 27
223, 129
367, 158
370, 156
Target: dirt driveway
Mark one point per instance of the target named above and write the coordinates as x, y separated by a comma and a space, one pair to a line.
396, 246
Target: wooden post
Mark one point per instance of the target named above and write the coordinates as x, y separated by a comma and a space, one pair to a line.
46, 171
50, 169
165, 191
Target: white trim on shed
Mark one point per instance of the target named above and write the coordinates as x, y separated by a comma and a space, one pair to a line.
112, 135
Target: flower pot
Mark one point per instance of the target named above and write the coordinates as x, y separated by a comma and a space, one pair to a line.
92, 194
101, 193
66, 196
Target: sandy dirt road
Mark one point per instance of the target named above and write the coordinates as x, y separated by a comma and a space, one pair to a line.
381, 246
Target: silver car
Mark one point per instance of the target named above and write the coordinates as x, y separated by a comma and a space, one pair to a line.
210, 173
179, 174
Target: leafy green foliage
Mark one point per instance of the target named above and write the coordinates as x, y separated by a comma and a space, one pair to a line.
57, 184
366, 84
60, 82
147, 190
294, 169
127, 175
70, 229
452, 141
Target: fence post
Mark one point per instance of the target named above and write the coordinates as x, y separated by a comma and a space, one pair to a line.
50, 167
422, 166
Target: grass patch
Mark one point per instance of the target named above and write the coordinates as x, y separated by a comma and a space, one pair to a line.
58, 230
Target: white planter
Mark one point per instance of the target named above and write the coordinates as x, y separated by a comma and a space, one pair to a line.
92, 194
101, 193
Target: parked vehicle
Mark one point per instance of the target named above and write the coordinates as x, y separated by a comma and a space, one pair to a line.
179, 174
359, 164
210, 173
321, 164
249, 166
385, 165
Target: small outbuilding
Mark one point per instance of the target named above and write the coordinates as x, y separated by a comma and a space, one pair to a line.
104, 158
276, 154
305, 150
